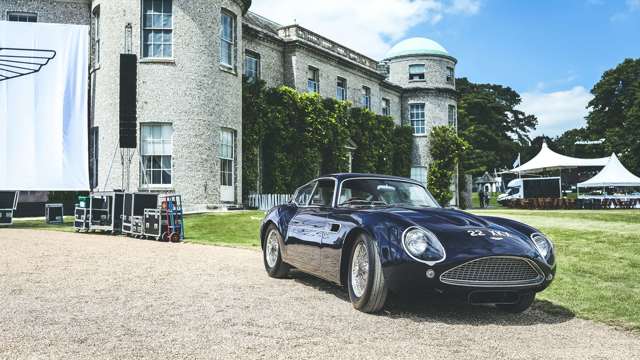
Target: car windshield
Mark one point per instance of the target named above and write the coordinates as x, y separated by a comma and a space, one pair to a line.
383, 192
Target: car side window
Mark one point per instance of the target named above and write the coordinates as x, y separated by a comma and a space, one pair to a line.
323, 195
304, 194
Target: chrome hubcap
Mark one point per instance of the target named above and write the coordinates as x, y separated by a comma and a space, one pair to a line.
271, 249
359, 270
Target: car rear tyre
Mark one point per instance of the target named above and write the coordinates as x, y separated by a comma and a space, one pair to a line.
367, 288
272, 256
524, 302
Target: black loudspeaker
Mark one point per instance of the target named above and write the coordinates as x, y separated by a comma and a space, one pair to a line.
128, 95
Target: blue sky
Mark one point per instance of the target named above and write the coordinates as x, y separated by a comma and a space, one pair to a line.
540, 44
551, 52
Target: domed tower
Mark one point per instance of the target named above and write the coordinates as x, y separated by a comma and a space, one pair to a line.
426, 72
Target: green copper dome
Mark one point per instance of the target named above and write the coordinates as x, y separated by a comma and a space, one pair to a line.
416, 46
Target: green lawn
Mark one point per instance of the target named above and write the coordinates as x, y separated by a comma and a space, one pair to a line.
475, 201
598, 254
232, 228
238, 228
39, 224
598, 257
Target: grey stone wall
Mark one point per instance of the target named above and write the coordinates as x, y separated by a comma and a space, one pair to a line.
50, 11
191, 91
436, 72
395, 97
271, 58
436, 113
298, 60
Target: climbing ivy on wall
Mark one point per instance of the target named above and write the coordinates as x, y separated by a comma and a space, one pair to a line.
446, 149
290, 138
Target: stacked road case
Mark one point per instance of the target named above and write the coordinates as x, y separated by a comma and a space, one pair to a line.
167, 222
132, 214
54, 213
8, 204
100, 211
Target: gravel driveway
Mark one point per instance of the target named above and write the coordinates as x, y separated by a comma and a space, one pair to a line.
90, 296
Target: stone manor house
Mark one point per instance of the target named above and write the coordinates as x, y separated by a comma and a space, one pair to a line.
192, 55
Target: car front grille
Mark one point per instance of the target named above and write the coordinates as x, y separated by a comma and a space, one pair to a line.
494, 271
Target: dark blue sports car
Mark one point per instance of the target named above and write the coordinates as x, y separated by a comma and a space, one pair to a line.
376, 233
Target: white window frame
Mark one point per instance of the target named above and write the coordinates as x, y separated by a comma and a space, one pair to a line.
146, 181
418, 123
22, 16
249, 54
453, 116
229, 42
341, 91
451, 75
386, 107
313, 80
417, 75
153, 30
229, 158
366, 97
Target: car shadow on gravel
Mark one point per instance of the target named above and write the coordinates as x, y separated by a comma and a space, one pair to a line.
430, 308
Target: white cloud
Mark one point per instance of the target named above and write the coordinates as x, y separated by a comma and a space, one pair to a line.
632, 6
367, 26
557, 111
469, 7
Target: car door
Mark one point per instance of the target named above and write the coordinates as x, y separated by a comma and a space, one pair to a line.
308, 227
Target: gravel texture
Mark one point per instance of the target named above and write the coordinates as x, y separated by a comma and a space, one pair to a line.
91, 296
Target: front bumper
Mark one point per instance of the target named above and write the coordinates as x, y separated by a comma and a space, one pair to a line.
411, 277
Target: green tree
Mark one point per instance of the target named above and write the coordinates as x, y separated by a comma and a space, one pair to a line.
446, 150
566, 144
489, 121
615, 112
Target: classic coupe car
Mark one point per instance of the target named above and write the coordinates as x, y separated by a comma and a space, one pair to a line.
375, 234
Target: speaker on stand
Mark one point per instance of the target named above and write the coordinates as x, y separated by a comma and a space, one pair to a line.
128, 117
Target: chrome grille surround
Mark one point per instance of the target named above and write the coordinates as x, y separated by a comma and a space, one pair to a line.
494, 271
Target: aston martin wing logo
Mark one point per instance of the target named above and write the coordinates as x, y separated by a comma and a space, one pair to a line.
16, 62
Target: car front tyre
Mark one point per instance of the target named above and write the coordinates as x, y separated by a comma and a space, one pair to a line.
524, 302
271, 254
367, 288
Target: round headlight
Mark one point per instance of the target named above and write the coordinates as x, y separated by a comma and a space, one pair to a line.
416, 242
423, 245
542, 243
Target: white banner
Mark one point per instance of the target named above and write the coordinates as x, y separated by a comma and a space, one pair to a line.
43, 106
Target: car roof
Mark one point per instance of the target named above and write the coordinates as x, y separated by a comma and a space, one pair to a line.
345, 176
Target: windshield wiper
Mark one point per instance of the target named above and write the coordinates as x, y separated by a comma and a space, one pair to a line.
362, 202
400, 204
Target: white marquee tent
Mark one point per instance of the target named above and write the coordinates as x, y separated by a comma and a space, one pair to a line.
548, 160
613, 175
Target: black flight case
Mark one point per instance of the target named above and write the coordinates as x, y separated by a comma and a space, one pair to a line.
8, 204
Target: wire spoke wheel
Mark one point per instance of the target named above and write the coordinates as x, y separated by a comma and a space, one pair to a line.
272, 254
360, 270
272, 250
